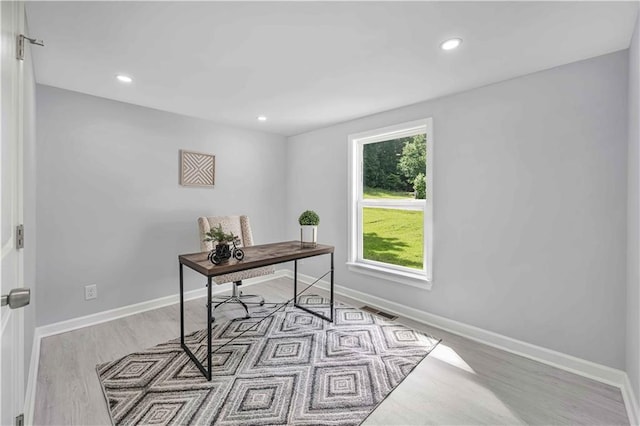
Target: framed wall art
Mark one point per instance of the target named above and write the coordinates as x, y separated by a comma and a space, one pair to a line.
197, 169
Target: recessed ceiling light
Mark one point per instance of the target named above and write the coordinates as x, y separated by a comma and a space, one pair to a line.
262, 118
450, 44
124, 78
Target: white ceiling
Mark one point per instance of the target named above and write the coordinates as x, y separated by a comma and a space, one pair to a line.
307, 65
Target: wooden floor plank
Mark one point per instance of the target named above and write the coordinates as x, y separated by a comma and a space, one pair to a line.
461, 382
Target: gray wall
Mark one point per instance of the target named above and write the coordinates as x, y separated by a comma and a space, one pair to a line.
530, 192
633, 219
110, 211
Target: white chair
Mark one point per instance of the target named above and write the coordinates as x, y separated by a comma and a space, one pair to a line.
240, 227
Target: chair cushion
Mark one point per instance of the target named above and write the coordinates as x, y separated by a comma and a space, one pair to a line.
244, 275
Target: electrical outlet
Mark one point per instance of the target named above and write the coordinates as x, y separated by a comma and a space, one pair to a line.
90, 292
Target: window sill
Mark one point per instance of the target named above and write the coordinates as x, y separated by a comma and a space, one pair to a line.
407, 278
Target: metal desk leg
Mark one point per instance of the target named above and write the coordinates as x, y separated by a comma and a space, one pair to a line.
206, 373
181, 308
209, 328
295, 282
295, 293
331, 287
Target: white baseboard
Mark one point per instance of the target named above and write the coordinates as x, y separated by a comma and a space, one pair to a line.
110, 315
582, 367
565, 362
630, 401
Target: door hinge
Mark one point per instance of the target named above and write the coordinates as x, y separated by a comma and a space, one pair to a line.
20, 420
20, 45
20, 236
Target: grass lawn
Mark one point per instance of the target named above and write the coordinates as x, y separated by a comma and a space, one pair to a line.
383, 193
394, 236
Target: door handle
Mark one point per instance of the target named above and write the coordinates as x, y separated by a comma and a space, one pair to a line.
17, 298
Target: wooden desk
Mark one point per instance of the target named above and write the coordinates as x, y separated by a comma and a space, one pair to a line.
254, 257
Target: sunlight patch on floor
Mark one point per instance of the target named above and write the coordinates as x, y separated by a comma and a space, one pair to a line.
473, 390
448, 355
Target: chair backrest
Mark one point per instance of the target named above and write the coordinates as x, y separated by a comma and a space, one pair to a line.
238, 225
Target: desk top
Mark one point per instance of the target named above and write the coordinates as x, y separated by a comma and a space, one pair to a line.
254, 257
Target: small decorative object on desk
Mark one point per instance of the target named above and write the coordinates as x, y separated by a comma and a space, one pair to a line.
222, 251
309, 221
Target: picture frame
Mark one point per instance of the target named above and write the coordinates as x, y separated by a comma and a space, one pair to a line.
197, 169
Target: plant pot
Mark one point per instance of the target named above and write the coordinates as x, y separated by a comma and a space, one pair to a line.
309, 235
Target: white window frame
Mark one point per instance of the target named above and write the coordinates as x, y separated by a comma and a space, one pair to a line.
355, 261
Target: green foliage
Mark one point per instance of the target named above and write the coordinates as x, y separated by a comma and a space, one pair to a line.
420, 186
393, 236
370, 193
380, 165
309, 217
392, 180
217, 234
414, 157
394, 165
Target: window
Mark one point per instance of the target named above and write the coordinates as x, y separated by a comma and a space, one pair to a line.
391, 204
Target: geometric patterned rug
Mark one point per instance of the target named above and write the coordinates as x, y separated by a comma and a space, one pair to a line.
293, 368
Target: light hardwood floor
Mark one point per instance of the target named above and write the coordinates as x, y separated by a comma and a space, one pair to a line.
460, 382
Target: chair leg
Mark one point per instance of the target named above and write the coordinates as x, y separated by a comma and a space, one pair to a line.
249, 296
237, 297
221, 297
245, 308
221, 303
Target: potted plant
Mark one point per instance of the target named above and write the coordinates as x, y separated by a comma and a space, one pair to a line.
309, 221
222, 250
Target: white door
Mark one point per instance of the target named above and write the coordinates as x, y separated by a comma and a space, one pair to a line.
11, 266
